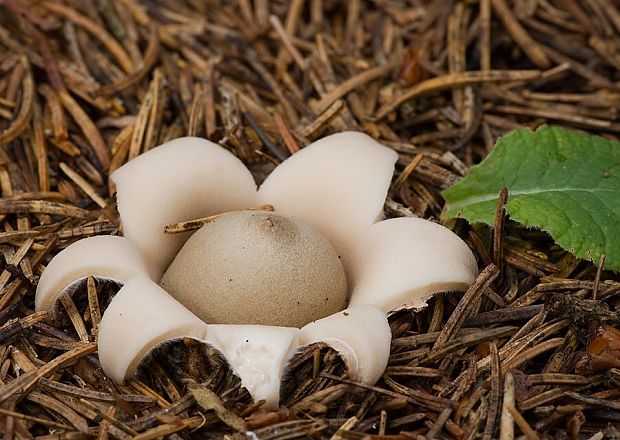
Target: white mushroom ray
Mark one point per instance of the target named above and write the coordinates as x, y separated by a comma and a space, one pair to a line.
258, 355
401, 263
183, 179
337, 184
140, 317
360, 334
110, 257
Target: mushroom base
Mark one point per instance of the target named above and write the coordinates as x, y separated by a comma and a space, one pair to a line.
174, 366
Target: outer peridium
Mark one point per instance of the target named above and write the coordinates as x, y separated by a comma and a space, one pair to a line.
184, 179
140, 317
143, 316
108, 257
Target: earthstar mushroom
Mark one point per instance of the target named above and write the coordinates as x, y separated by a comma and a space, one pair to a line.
324, 240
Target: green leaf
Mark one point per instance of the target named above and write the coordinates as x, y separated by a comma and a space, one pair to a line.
564, 182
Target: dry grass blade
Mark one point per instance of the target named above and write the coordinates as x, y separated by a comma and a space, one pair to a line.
521, 37
522, 423
20, 122
43, 207
353, 83
110, 419
494, 401
88, 127
208, 400
506, 431
40, 420
83, 184
26, 381
466, 304
58, 407
97, 31
15, 326
170, 428
150, 57
193, 225
453, 80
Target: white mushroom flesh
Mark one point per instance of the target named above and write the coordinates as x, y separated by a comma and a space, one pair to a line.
361, 335
258, 355
140, 317
401, 263
109, 257
337, 184
181, 180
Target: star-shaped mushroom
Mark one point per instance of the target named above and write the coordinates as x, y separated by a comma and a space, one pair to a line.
323, 267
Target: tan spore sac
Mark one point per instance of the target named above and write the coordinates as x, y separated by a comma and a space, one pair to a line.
251, 267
